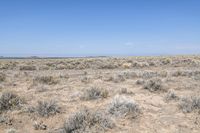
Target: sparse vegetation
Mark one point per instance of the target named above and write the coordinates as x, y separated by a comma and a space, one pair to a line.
39, 125
87, 120
28, 68
45, 108
2, 77
122, 106
11, 130
94, 93
171, 95
149, 94
140, 82
117, 78
188, 104
153, 85
9, 100
50, 80
85, 79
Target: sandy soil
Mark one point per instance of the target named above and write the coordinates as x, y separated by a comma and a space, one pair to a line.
158, 115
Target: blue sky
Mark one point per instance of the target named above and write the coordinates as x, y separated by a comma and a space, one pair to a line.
99, 27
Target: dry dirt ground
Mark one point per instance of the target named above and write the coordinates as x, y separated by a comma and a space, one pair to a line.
125, 95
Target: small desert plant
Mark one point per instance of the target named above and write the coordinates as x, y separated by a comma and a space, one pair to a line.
28, 68
39, 125
129, 75
123, 106
125, 91
46, 80
188, 104
166, 61
171, 95
118, 78
9, 100
85, 79
153, 85
2, 77
148, 75
127, 65
140, 82
86, 120
45, 108
94, 93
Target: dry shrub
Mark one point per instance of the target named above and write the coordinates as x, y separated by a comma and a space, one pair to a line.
45, 108
2, 77
94, 93
85, 121
140, 82
154, 85
46, 80
39, 125
28, 68
166, 61
148, 75
185, 73
85, 79
117, 78
171, 95
125, 91
188, 104
122, 106
130, 75
140, 64
9, 100
127, 65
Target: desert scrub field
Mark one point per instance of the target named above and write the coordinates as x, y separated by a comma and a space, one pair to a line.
104, 94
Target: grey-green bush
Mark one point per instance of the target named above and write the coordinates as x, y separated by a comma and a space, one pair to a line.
122, 106
9, 100
45, 108
188, 104
94, 93
153, 85
87, 120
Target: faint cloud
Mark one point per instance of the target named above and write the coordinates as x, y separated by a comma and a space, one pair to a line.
187, 47
129, 44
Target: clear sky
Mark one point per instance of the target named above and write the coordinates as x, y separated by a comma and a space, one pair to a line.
99, 27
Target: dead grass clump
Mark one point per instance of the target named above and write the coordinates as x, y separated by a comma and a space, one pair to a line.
153, 85
87, 120
2, 77
188, 104
46, 80
94, 93
28, 68
122, 106
171, 95
9, 100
